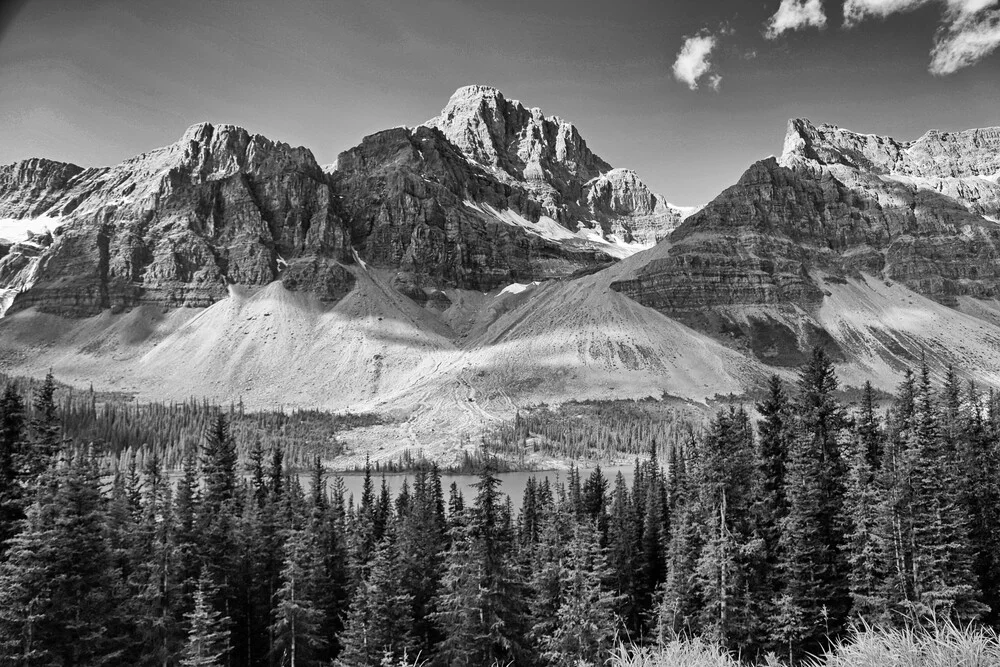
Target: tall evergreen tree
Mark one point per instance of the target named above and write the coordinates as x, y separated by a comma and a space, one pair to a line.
45, 431
678, 600
862, 514
814, 603
729, 554
57, 585
585, 622
11, 482
208, 630
298, 620
944, 582
380, 622
482, 594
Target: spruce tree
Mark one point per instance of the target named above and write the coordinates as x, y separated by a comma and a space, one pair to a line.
208, 630
944, 582
980, 456
298, 620
585, 624
723, 475
815, 600
380, 621
57, 586
481, 596
623, 552
421, 542
862, 513
45, 431
775, 434
678, 599
11, 482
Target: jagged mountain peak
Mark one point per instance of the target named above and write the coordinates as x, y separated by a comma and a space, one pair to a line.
520, 143
548, 157
936, 154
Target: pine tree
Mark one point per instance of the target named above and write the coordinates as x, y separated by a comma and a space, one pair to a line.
944, 582
45, 431
595, 500
544, 560
728, 556
219, 464
421, 549
895, 488
298, 621
775, 429
57, 586
11, 444
980, 456
623, 548
814, 603
208, 630
380, 620
217, 529
158, 590
678, 599
585, 623
481, 601
863, 500
654, 532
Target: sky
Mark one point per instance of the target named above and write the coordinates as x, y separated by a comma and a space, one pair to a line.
688, 93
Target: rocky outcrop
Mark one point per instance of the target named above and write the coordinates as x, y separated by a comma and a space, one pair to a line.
176, 225
414, 203
488, 194
547, 157
32, 187
964, 166
831, 207
623, 204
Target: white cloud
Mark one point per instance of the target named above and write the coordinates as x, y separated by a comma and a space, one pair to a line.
856, 11
970, 29
965, 41
795, 15
694, 61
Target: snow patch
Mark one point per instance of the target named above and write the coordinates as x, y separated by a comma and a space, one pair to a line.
516, 288
357, 258
14, 229
549, 229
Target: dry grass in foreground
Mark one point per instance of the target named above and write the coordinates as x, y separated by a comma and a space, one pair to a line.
943, 646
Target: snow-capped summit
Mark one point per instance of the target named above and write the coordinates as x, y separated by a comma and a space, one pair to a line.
548, 156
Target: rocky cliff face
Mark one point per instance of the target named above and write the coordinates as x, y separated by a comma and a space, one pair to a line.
475, 205
751, 266
547, 157
176, 225
413, 203
628, 209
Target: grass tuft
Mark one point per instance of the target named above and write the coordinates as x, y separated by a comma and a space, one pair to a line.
944, 645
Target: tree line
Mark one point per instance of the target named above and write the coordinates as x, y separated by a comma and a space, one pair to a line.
766, 537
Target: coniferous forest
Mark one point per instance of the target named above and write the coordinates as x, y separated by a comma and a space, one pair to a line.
767, 535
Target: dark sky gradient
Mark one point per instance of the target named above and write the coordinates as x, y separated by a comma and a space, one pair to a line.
96, 81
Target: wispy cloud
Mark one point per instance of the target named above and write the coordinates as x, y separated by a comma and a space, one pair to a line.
856, 11
970, 29
795, 15
694, 61
965, 40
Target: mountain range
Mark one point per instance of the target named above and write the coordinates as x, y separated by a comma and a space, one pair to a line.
448, 273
